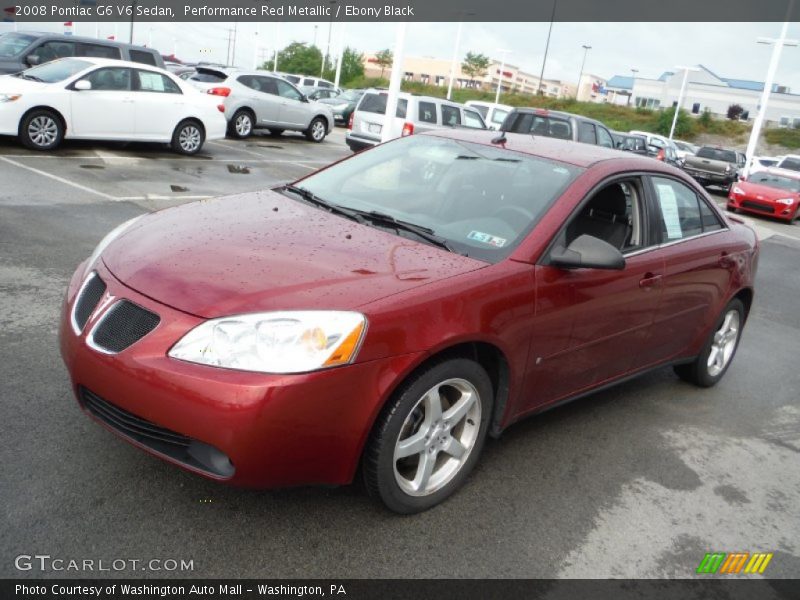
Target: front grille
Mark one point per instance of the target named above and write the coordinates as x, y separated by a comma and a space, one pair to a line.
87, 300
176, 446
124, 324
767, 208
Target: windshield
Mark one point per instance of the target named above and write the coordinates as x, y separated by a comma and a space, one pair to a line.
12, 44
350, 96
376, 103
790, 163
482, 200
717, 154
58, 70
775, 181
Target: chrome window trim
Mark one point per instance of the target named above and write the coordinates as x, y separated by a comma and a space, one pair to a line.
673, 242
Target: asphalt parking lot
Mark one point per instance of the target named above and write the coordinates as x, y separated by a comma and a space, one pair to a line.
638, 481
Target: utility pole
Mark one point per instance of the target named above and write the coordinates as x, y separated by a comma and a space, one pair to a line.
583, 64
547, 47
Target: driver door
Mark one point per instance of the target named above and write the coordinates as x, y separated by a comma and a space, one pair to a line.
294, 111
593, 325
106, 111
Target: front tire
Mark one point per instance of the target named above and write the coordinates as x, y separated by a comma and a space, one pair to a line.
188, 138
429, 436
718, 352
41, 130
317, 130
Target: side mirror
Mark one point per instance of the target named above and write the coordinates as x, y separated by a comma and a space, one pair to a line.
588, 252
33, 60
304, 98
84, 85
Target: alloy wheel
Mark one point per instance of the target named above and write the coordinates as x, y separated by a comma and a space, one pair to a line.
190, 138
724, 343
43, 131
437, 437
318, 130
244, 125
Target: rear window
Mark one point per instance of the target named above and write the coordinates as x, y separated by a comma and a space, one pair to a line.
146, 58
376, 103
208, 76
545, 125
99, 51
717, 154
498, 116
790, 163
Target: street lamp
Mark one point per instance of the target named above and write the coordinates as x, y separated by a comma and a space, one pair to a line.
328, 47
778, 45
502, 68
454, 61
634, 71
547, 47
583, 63
680, 97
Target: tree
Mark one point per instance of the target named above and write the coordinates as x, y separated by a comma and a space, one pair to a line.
352, 67
734, 112
298, 58
384, 59
475, 65
683, 125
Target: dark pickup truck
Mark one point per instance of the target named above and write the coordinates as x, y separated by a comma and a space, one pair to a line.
715, 166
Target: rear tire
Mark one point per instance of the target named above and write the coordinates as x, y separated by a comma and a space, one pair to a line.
242, 124
317, 130
429, 436
718, 352
41, 130
188, 138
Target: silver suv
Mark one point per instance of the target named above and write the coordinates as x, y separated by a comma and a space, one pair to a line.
258, 99
415, 114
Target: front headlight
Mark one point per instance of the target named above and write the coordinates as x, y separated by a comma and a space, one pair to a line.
112, 235
786, 201
9, 97
738, 190
275, 342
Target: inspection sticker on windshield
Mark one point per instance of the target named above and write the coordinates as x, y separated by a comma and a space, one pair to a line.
485, 238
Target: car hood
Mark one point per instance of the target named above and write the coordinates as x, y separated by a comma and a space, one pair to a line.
333, 101
10, 83
764, 192
262, 251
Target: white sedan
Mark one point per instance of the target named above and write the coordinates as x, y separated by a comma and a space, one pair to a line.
101, 99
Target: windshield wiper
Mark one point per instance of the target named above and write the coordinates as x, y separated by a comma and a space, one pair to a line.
425, 233
312, 198
31, 77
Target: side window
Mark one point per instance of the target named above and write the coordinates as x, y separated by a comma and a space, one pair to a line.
110, 79
98, 51
268, 85
308, 82
586, 133
473, 119
679, 210
498, 116
324, 84
146, 58
613, 214
156, 82
53, 50
402, 108
604, 138
451, 115
427, 112
286, 90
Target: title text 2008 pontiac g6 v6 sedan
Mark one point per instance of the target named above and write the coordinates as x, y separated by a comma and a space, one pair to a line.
393, 309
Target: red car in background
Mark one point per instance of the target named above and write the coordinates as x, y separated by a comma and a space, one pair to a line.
773, 192
392, 310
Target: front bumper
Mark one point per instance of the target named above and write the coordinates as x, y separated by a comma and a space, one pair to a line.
276, 430
711, 178
786, 212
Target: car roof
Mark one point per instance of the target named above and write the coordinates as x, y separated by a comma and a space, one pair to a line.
784, 172
84, 39
112, 62
566, 151
410, 96
545, 112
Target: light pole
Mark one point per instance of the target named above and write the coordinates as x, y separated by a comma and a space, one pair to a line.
340, 57
778, 45
500, 78
395, 79
328, 47
454, 61
680, 97
583, 64
277, 43
546, 47
634, 71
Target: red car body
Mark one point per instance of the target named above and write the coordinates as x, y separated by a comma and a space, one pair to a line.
760, 199
547, 334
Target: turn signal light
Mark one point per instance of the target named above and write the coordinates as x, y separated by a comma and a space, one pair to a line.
220, 91
221, 108
350, 122
408, 129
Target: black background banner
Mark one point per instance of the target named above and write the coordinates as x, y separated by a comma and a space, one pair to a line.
251, 589
406, 10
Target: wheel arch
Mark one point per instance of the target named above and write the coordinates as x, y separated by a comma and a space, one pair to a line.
746, 296
55, 111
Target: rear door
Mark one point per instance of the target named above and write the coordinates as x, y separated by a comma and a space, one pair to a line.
261, 94
697, 268
159, 103
106, 111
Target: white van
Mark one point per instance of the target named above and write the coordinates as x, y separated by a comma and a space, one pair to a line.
493, 114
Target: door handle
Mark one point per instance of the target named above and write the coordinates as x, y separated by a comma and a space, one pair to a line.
649, 280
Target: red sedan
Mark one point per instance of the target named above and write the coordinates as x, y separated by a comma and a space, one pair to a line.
394, 309
773, 192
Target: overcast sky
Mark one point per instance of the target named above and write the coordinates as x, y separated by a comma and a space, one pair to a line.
728, 49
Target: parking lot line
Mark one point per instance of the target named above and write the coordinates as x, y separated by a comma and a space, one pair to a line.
57, 178
182, 159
